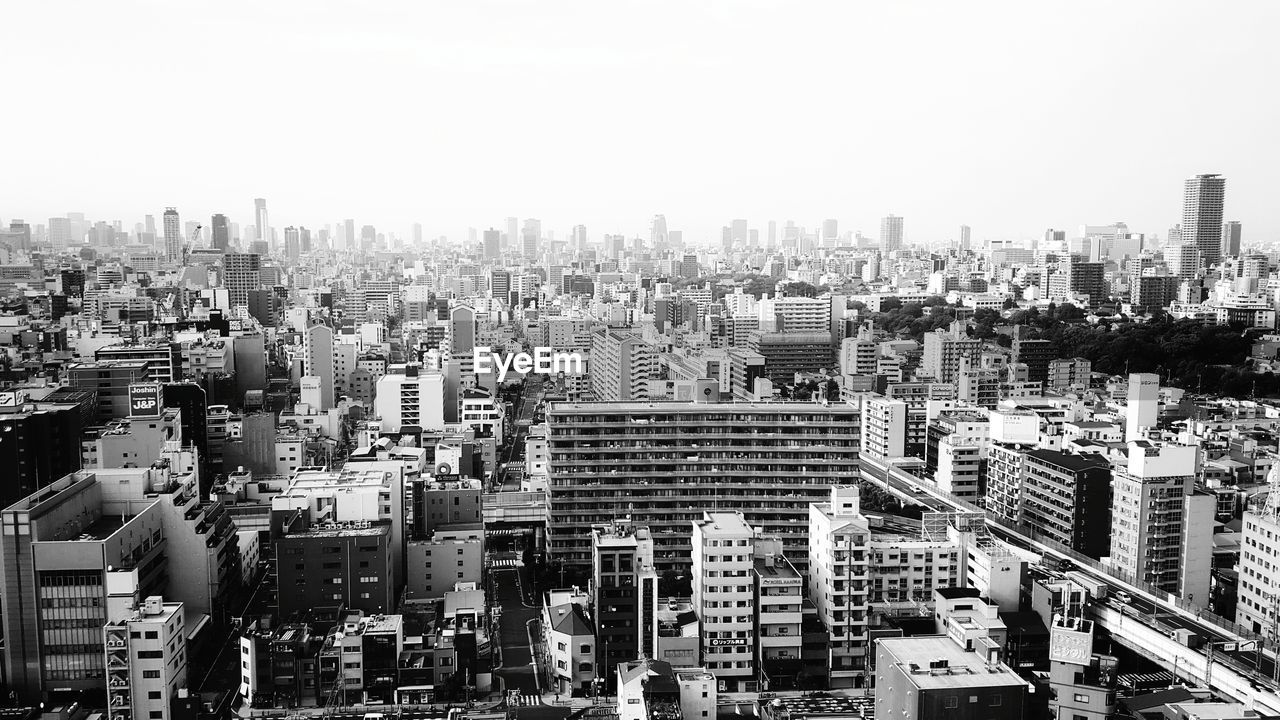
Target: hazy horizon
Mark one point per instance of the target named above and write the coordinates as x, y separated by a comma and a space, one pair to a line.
1008, 117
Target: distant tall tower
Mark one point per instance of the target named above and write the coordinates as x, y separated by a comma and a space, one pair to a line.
219, 233
658, 232
530, 238
964, 237
1202, 215
492, 244
773, 235
891, 233
417, 234
580, 237
262, 229
349, 233
292, 243
1231, 238
172, 235
830, 232
513, 233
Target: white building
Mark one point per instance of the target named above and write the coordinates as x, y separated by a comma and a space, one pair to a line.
839, 538
723, 591
146, 657
408, 396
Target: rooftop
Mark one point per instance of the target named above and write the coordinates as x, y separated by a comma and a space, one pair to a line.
937, 662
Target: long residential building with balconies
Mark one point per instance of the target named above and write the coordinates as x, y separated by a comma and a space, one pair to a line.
665, 463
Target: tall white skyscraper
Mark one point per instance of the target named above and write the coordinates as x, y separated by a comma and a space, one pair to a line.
260, 219
891, 233
964, 237
172, 235
1202, 202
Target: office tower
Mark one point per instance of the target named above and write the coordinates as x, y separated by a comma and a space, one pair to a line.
530, 237
1065, 497
838, 539
890, 233
67, 551
60, 232
604, 465
1143, 406
39, 443
417, 235
965, 243
500, 284
621, 365
1202, 203
292, 244
462, 331
1230, 238
349, 233
830, 232
512, 237
219, 236
18, 236
921, 678
658, 232
241, 272
722, 596
347, 564
944, 349
580, 238
492, 244
738, 231
1162, 529
368, 238
773, 235
788, 353
406, 396
261, 227
319, 363
624, 595
304, 240
172, 236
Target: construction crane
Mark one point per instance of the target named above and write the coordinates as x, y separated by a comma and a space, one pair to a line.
191, 242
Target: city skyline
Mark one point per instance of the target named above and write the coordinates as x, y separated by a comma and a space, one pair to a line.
444, 116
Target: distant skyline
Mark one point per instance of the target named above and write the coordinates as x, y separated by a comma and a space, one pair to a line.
1007, 117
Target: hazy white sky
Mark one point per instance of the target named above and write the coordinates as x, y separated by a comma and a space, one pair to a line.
1010, 117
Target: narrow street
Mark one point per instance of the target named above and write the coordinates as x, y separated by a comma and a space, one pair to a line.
517, 623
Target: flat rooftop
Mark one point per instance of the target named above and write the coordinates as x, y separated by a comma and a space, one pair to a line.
963, 669
103, 528
780, 569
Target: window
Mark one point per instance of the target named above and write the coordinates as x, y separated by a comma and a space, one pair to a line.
153, 695
153, 674
1084, 699
997, 700
952, 702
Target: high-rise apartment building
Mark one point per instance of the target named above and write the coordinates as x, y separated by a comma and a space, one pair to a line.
890, 233
1202, 203
839, 581
965, 241
1162, 530
530, 238
767, 460
241, 272
1230, 238
723, 585
1065, 497
944, 349
1258, 606
146, 659
172, 236
621, 365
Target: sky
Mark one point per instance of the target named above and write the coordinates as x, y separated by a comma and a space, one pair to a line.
1010, 117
